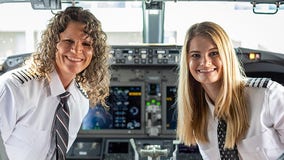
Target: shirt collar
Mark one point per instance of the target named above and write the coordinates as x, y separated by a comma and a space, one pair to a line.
210, 104
56, 86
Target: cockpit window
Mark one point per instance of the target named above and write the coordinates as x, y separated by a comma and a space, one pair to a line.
124, 23
247, 29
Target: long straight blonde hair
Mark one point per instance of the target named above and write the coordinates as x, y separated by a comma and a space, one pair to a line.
230, 104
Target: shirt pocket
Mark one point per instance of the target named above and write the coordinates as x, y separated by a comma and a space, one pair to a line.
27, 143
264, 146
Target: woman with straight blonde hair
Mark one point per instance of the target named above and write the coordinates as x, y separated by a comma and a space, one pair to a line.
213, 92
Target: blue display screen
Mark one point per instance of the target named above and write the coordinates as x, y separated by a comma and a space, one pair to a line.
124, 110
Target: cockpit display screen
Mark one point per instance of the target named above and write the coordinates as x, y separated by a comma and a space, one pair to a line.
124, 110
171, 92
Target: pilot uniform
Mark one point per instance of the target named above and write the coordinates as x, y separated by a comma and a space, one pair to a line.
27, 108
265, 137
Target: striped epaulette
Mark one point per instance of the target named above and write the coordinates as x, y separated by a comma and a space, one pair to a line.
24, 75
82, 90
258, 82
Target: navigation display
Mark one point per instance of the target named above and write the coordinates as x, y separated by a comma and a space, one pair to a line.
124, 110
171, 111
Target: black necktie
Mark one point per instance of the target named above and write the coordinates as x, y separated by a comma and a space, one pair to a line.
226, 154
61, 126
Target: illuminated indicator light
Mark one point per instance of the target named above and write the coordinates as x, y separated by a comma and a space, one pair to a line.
83, 153
148, 103
251, 56
153, 101
158, 103
134, 93
161, 51
169, 99
254, 56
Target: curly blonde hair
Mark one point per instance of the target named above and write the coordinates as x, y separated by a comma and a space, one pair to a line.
95, 79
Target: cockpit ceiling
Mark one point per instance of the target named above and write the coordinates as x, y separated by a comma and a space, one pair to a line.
256, 1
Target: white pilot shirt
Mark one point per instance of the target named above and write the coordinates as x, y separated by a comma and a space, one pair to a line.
27, 108
265, 137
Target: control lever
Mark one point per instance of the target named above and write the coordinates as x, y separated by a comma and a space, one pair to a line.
134, 148
176, 143
153, 152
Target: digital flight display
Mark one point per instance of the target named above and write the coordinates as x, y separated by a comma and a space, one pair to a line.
171, 92
124, 110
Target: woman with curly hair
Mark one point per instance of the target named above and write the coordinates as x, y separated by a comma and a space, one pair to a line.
72, 59
228, 115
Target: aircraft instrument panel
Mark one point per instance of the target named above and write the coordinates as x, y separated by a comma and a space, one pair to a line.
141, 120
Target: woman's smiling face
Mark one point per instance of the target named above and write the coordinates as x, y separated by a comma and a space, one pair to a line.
74, 51
204, 61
